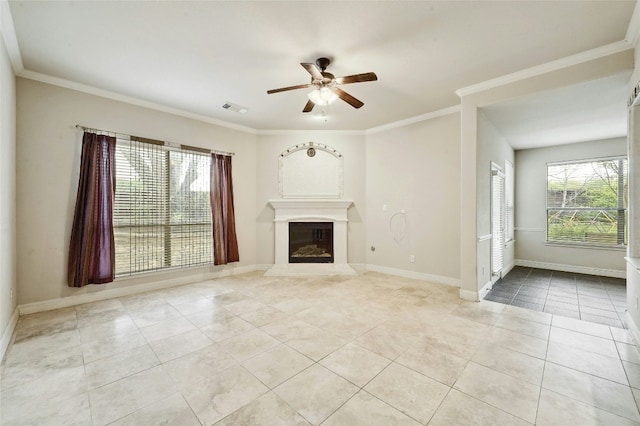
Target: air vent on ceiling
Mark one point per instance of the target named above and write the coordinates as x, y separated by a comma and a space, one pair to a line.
235, 107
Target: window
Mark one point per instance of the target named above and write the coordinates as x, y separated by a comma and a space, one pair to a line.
162, 210
587, 202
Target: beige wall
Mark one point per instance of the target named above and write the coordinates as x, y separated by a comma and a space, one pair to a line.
470, 103
492, 148
633, 273
8, 283
415, 168
530, 207
269, 148
48, 155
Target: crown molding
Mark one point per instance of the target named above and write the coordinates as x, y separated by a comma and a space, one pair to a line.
578, 58
633, 30
9, 37
418, 118
307, 132
68, 84
55, 81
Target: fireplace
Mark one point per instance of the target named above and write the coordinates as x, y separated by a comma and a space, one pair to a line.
331, 216
310, 242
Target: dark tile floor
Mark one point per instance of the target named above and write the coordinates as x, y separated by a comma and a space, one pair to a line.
587, 297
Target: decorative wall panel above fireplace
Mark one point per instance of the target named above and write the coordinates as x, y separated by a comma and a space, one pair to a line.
311, 170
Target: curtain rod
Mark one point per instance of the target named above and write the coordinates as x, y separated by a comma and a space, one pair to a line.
153, 141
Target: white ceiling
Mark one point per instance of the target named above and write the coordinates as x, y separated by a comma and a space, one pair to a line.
582, 112
195, 56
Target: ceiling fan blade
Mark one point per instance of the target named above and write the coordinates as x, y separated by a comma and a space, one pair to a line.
313, 70
357, 78
347, 97
309, 106
284, 89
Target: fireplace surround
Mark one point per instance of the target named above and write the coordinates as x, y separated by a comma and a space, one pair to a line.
330, 211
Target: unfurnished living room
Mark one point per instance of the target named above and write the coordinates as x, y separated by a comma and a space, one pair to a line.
319, 213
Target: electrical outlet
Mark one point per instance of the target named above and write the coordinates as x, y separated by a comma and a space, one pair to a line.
412, 258
385, 208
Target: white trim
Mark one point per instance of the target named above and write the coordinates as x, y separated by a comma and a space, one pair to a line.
572, 268
437, 279
521, 229
8, 333
482, 293
418, 118
306, 133
633, 30
486, 237
10, 38
80, 299
634, 331
588, 160
63, 302
360, 267
633, 261
315, 145
476, 296
469, 295
68, 84
508, 268
263, 266
578, 58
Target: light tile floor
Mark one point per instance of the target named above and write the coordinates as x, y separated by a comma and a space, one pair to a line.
589, 297
366, 350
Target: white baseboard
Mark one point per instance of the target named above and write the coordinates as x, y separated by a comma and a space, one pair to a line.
437, 279
482, 293
476, 296
7, 334
469, 295
63, 302
633, 328
241, 270
361, 267
572, 268
263, 266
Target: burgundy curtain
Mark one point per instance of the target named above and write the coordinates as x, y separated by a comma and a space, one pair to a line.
225, 242
92, 249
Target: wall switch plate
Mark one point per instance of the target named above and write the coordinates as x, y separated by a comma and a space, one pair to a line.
385, 208
412, 258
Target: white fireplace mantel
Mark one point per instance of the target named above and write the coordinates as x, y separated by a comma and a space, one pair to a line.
310, 210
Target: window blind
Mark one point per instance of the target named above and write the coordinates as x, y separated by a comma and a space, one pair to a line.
587, 202
497, 221
162, 210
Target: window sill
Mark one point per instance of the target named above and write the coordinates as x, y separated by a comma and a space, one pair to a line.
586, 246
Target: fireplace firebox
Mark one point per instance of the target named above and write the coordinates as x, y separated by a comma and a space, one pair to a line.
310, 242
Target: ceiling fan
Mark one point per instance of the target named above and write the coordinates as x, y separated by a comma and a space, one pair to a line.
325, 85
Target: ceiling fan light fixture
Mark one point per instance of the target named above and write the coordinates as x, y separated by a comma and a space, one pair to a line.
322, 96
